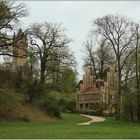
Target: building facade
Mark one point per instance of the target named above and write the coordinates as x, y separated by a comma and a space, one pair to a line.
97, 96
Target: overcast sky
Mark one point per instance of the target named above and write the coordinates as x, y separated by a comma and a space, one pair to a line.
76, 17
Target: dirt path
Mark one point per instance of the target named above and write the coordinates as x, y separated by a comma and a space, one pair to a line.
93, 119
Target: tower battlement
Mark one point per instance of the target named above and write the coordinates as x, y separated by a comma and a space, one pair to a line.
19, 50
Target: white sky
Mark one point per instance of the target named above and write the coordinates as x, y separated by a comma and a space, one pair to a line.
76, 17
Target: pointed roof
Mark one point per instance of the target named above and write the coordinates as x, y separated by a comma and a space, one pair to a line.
20, 32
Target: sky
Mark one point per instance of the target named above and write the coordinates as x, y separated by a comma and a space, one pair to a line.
76, 17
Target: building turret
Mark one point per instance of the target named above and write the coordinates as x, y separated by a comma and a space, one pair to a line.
19, 50
87, 78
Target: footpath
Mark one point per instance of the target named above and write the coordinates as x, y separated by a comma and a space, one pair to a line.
93, 119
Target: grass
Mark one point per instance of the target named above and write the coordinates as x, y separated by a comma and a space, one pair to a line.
67, 128
14, 107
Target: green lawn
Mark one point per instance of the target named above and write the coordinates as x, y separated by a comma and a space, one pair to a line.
67, 128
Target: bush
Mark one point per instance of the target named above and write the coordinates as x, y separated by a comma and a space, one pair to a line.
67, 105
33, 90
5, 78
71, 106
128, 106
25, 118
62, 104
51, 107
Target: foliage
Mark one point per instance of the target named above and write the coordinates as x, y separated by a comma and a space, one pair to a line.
129, 104
98, 59
67, 105
10, 13
122, 36
52, 50
31, 84
45, 61
10, 79
51, 107
62, 81
5, 78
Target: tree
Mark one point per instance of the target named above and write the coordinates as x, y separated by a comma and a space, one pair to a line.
105, 58
131, 73
49, 40
90, 59
10, 13
61, 77
69, 79
30, 80
100, 58
119, 32
129, 94
137, 69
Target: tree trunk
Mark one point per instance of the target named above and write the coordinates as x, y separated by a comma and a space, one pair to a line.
137, 77
42, 76
42, 79
138, 108
30, 92
118, 96
131, 112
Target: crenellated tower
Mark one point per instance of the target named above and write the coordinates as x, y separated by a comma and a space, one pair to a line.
87, 79
19, 50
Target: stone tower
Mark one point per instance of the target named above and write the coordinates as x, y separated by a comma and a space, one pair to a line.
112, 78
19, 50
87, 79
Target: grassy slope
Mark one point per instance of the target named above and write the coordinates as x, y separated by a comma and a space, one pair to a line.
13, 107
42, 126
67, 128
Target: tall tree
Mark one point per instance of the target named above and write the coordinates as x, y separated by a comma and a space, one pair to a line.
10, 13
49, 40
105, 58
119, 32
100, 58
90, 58
69, 79
137, 69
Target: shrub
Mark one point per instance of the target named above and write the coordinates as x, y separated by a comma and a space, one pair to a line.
67, 105
25, 118
128, 106
51, 107
33, 90
5, 78
62, 104
71, 106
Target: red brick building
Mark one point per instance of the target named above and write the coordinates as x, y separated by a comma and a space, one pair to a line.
99, 95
